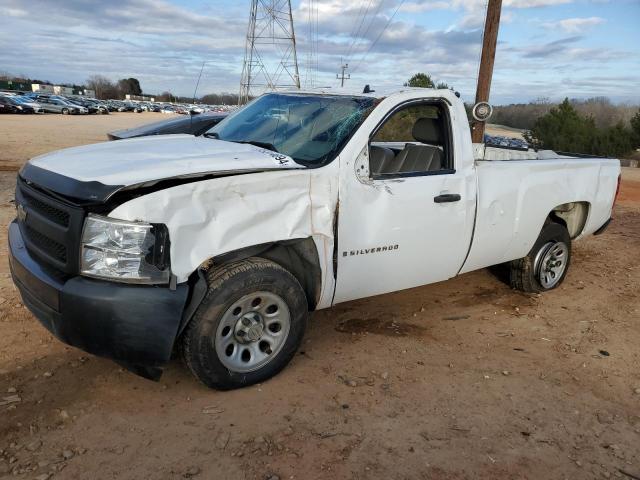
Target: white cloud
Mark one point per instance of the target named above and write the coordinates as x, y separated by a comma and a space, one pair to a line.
418, 7
163, 43
575, 25
13, 12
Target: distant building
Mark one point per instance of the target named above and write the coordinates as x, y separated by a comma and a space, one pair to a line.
140, 98
42, 88
62, 90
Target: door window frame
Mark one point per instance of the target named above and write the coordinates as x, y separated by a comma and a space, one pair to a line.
443, 105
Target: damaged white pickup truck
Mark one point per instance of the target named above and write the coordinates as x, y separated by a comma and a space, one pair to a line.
221, 244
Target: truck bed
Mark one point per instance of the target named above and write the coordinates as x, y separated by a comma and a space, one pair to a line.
483, 153
518, 189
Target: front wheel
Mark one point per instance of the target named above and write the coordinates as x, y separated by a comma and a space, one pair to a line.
249, 325
65, 111
546, 265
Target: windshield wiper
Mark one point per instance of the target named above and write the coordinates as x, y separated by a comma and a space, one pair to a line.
266, 145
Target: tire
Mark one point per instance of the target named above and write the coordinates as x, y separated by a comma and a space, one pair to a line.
547, 264
242, 296
65, 111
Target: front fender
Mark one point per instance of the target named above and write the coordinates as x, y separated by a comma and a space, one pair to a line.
220, 215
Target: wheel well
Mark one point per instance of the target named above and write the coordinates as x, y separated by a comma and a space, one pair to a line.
299, 257
572, 215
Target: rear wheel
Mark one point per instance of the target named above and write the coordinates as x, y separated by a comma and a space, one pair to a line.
546, 265
65, 111
249, 325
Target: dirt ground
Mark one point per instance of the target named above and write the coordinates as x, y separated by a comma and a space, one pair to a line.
25, 136
465, 379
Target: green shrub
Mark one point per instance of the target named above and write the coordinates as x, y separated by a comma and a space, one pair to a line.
563, 129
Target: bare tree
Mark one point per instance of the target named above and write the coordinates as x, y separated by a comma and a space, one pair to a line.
103, 87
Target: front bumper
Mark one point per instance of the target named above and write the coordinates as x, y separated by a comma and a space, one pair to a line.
135, 325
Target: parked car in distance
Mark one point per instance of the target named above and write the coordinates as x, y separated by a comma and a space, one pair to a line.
92, 106
131, 107
29, 102
118, 106
55, 104
11, 105
8, 106
192, 125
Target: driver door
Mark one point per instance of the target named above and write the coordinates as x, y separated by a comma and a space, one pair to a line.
407, 219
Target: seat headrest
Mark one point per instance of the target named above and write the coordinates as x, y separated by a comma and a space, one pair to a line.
427, 130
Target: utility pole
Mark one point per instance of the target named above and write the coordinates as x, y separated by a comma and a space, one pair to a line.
342, 76
490, 40
270, 58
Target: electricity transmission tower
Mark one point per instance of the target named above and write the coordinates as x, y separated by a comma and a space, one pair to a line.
270, 58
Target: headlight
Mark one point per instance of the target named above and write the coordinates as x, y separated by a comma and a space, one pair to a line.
118, 250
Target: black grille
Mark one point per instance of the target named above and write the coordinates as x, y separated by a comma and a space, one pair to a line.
55, 214
48, 246
51, 227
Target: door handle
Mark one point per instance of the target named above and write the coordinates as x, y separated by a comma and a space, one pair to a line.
447, 198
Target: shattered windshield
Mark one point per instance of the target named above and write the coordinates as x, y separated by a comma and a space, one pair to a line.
311, 129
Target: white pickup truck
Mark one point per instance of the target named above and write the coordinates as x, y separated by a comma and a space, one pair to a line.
222, 244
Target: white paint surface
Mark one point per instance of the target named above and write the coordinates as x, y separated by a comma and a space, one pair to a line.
139, 160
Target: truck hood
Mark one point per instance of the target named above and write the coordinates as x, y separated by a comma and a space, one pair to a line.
95, 172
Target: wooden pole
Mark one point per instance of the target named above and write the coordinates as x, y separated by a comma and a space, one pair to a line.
490, 40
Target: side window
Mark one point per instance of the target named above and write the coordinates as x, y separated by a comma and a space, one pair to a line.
414, 140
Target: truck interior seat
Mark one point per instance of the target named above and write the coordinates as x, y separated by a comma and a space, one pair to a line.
380, 159
413, 157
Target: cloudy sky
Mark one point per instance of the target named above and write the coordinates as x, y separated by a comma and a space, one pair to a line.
547, 48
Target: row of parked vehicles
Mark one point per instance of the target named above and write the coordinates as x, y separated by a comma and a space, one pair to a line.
11, 102
506, 142
43, 103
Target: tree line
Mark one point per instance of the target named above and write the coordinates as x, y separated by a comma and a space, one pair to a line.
594, 126
565, 129
524, 115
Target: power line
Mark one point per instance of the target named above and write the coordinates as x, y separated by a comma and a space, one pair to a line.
310, 39
355, 37
316, 42
312, 55
371, 22
317, 63
378, 37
